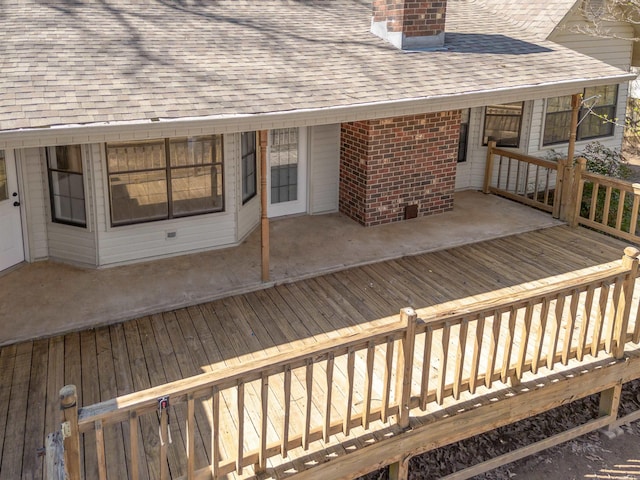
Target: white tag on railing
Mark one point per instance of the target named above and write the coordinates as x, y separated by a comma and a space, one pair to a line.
66, 430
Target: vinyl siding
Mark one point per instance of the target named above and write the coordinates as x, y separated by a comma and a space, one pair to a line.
35, 199
614, 51
324, 159
149, 240
70, 243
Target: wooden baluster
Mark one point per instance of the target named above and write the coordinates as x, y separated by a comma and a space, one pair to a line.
477, 354
598, 327
326, 432
613, 313
524, 340
633, 222
133, 445
404, 372
164, 442
630, 262
371, 351
426, 367
516, 187
264, 417
607, 206
71, 434
308, 404
608, 407
557, 195
594, 201
636, 330
351, 361
555, 332
388, 373
240, 457
215, 433
540, 335
488, 168
508, 345
506, 187
586, 322
190, 431
536, 184
620, 212
460, 354
547, 189
284, 447
493, 349
444, 357
568, 332
100, 452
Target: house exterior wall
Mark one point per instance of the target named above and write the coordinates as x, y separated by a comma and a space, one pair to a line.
34, 198
388, 164
324, 168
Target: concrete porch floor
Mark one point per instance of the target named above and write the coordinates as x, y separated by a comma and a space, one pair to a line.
47, 298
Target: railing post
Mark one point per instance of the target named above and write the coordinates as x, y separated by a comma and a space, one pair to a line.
577, 190
70, 432
405, 365
623, 309
399, 470
488, 169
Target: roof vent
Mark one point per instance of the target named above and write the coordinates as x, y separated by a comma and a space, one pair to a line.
410, 25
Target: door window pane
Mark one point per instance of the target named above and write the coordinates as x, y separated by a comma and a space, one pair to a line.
249, 174
4, 192
66, 183
283, 160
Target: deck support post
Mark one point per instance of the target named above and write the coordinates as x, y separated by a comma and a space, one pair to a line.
264, 219
567, 188
399, 470
488, 167
578, 187
623, 309
609, 403
405, 365
70, 432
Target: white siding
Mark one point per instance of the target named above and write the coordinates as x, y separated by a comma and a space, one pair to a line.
35, 199
324, 169
71, 243
614, 51
144, 241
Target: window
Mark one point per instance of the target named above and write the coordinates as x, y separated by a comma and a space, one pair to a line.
66, 185
4, 193
464, 136
283, 160
249, 177
162, 179
602, 100
502, 124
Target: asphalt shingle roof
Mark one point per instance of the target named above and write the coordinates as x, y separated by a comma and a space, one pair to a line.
84, 61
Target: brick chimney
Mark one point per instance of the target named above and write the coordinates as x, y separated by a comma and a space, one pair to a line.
409, 24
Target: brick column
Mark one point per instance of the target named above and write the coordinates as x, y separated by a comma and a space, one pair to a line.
389, 164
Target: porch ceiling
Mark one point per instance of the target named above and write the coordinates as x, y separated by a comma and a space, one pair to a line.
109, 64
45, 298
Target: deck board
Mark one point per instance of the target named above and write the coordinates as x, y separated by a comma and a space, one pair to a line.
153, 350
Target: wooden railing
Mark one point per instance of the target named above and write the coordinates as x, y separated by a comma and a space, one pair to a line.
529, 180
267, 408
607, 204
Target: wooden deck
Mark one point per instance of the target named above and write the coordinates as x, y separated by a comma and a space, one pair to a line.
151, 351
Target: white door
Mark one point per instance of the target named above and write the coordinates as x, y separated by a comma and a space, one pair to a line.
11, 248
287, 171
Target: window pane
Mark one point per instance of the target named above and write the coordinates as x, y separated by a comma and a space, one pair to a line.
138, 197
4, 193
196, 190
283, 161
556, 127
67, 185
66, 157
195, 151
593, 126
502, 124
463, 138
249, 180
126, 157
